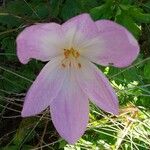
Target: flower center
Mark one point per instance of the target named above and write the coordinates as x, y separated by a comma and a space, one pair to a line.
71, 53
70, 58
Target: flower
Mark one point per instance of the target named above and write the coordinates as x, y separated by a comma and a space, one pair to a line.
70, 79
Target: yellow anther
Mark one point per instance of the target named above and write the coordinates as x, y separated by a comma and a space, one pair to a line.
71, 53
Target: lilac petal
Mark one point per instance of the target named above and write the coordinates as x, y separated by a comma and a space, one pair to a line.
114, 45
44, 89
69, 111
97, 87
41, 41
78, 29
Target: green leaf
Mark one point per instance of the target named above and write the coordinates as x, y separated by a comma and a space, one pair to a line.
125, 77
18, 7
146, 7
27, 147
129, 23
15, 147
69, 9
143, 101
14, 83
62, 144
104, 11
98, 12
55, 7
138, 15
10, 21
126, 2
8, 44
147, 70
41, 11
22, 132
86, 5
10, 148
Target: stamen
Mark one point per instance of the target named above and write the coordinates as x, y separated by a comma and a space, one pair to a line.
70, 64
71, 53
63, 65
69, 56
79, 65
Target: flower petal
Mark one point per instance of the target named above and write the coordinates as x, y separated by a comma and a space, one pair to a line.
40, 41
78, 29
114, 45
97, 87
69, 111
44, 89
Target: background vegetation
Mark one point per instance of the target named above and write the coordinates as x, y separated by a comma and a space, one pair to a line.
129, 131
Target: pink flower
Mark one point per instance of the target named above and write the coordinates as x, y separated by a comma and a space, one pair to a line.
70, 79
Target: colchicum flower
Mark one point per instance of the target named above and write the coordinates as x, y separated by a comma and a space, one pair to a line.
70, 79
